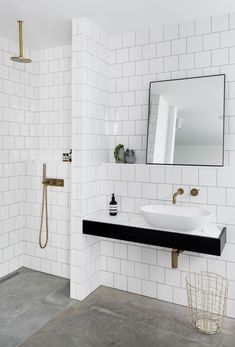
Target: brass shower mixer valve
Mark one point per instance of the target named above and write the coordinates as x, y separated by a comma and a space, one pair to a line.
53, 182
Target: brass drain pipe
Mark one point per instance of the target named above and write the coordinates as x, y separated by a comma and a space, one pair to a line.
174, 257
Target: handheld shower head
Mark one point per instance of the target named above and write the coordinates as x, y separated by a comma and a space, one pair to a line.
21, 58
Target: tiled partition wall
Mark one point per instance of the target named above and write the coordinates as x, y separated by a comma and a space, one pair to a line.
90, 85
51, 131
17, 105
197, 48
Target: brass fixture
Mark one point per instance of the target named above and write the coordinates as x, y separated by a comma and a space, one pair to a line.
21, 58
44, 201
54, 182
180, 191
174, 257
194, 191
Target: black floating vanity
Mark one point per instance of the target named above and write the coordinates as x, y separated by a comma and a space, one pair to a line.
209, 240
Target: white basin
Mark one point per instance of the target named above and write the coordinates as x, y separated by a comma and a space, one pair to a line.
175, 218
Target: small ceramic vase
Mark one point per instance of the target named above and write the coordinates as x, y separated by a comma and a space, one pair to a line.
130, 157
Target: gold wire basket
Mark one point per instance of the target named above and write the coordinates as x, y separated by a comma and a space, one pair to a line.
207, 300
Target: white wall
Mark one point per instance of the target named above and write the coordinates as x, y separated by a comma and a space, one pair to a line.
51, 125
147, 269
110, 80
17, 105
55, 258
51, 130
197, 48
188, 49
90, 85
35, 126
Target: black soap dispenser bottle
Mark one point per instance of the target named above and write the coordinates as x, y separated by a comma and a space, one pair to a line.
113, 206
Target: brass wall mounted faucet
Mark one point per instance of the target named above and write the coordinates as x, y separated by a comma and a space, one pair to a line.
180, 191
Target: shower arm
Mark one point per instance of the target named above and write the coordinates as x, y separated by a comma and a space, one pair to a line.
21, 38
20, 58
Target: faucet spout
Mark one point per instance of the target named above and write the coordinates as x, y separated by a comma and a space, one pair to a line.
180, 191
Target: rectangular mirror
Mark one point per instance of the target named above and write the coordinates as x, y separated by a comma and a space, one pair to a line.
186, 121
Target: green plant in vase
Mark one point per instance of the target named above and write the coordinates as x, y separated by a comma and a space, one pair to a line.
119, 153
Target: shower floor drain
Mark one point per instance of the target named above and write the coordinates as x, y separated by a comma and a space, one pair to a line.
8, 277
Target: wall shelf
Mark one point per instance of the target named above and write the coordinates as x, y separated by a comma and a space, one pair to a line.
210, 240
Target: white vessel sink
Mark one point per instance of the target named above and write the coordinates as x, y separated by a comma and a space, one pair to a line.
175, 218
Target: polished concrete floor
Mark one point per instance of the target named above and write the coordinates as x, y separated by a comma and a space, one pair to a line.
109, 317
28, 300
35, 311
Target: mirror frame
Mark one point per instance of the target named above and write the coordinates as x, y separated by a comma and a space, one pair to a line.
180, 79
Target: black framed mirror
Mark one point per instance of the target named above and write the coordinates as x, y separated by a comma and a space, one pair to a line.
186, 121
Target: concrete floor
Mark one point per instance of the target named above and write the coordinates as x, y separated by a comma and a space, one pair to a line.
110, 317
27, 302
35, 311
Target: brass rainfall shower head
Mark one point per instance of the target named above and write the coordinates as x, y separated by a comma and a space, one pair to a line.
20, 58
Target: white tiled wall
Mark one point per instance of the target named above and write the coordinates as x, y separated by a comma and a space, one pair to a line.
196, 48
90, 86
35, 124
17, 104
110, 80
124, 263
11, 216
50, 129
55, 258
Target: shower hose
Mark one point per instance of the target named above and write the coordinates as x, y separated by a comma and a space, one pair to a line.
44, 204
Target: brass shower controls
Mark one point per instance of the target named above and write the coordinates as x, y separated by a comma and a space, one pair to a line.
54, 182
194, 192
